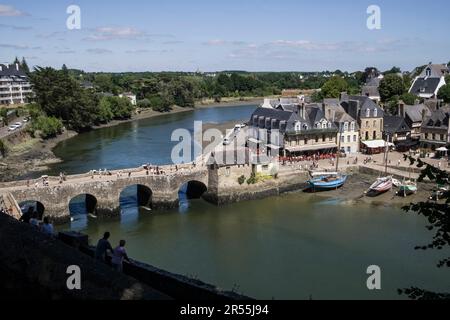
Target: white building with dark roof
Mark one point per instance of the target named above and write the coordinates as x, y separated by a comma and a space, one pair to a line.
15, 87
428, 83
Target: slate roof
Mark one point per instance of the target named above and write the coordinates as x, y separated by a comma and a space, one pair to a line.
357, 106
437, 70
425, 86
11, 70
370, 91
415, 113
438, 119
395, 124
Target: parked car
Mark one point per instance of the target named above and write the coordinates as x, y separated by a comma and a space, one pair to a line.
18, 124
12, 128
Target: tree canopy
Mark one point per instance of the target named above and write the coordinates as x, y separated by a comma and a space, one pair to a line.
392, 85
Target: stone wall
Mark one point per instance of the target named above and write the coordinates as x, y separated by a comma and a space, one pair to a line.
34, 266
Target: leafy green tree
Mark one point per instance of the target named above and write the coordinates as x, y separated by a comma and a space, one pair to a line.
392, 85
437, 214
334, 87
105, 113
60, 96
47, 127
24, 65
408, 98
444, 93
394, 70
4, 115
144, 104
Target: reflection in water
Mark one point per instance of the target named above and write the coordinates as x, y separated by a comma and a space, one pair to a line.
285, 247
183, 199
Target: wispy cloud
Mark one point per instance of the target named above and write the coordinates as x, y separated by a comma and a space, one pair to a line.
13, 27
143, 51
18, 46
220, 42
98, 51
10, 11
66, 52
122, 33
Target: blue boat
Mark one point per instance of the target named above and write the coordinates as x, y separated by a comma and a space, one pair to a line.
327, 182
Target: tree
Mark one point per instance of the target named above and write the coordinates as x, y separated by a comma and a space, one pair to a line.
24, 65
60, 96
408, 98
144, 104
394, 70
334, 87
369, 73
47, 127
392, 85
105, 113
3, 148
438, 218
444, 93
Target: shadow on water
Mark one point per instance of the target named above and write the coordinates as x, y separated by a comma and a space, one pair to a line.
135, 200
82, 208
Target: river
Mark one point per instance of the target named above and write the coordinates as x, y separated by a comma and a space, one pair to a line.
296, 246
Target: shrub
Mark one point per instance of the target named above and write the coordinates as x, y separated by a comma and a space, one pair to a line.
47, 127
241, 180
3, 149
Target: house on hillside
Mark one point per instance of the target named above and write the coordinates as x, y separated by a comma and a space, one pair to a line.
414, 117
15, 87
132, 97
428, 83
371, 89
435, 129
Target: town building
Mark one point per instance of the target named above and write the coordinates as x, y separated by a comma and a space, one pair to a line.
414, 117
371, 89
396, 130
349, 129
368, 115
298, 129
428, 83
130, 96
15, 87
435, 129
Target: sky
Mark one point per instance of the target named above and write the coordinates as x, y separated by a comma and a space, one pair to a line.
216, 35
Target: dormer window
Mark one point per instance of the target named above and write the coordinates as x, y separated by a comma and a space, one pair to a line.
305, 126
367, 113
346, 126
428, 72
298, 126
375, 113
352, 126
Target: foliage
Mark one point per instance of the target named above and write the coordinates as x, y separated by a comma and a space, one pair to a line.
4, 116
438, 219
408, 98
115, 108
394, 70
144, 104
392, 85
241, 180
444, 93
60, 96
252, 179
47, 127
334, 87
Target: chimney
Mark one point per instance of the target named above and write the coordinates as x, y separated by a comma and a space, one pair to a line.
301, 110
343, 96
17, 66
401, 109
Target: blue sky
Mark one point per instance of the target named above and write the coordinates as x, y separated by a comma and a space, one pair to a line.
212, 35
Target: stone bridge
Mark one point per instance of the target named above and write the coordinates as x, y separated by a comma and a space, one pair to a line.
157, 191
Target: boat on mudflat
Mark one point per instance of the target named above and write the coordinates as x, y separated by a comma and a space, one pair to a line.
329, 181
382, 185
407, 188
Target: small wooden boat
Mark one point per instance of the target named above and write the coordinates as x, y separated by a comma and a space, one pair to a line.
331, 181
407, 188
382, 185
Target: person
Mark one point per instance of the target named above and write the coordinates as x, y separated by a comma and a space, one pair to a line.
26, 217
47, 227
34, 221
103, 246
119, 255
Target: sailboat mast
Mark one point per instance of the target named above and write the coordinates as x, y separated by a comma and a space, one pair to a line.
339, 147
386, 156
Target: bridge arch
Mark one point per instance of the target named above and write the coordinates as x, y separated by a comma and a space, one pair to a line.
133, 199
32, 206
188, 191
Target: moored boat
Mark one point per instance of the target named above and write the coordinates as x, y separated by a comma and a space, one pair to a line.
327, 182
380, 186
407, 188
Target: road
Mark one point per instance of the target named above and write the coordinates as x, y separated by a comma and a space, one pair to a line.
4, 130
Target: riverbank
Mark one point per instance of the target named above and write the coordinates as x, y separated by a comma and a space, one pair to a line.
28, 156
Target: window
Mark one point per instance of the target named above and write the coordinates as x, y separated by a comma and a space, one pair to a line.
298, 126
305, 126
353, 126
324, 138
306, 141
355, 138
346, 126
374, 135
375, 124
442, 137
367, 113
434, 136
428, 72
349, 150
367, 124
317, 139
375, 112
342, 139
348, 139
